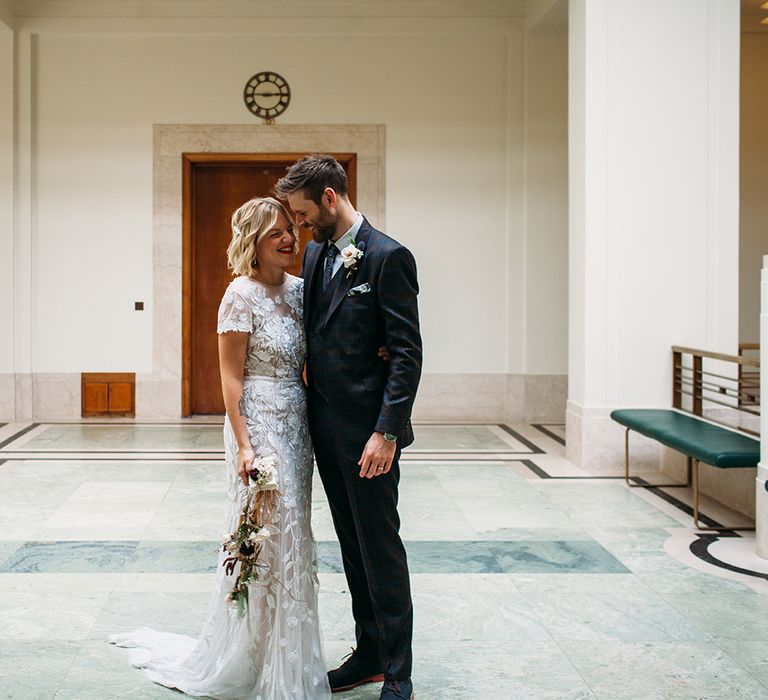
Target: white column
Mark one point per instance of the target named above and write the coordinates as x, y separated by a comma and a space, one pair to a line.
761, 496
653, 220
7, 374
24, 225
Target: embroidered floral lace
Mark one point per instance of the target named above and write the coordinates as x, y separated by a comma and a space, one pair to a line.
274, 652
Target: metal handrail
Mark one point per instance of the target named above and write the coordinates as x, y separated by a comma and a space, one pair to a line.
708, 388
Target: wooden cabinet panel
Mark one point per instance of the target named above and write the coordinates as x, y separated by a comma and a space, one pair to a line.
95, 397
108, 394
120, 397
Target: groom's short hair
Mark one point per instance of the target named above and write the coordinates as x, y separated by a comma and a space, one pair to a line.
312, 174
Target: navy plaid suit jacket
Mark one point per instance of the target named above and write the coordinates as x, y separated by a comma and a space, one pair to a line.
343, 337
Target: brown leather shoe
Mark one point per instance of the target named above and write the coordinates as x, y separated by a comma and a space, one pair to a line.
355, 671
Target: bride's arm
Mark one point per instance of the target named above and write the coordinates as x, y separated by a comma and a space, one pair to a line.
232, 348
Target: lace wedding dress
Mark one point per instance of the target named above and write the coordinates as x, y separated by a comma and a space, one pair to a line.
274, 651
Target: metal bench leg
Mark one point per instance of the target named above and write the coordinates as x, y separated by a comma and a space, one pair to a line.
698, 525
647, 486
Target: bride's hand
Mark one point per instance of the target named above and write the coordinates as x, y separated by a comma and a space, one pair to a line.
245, 457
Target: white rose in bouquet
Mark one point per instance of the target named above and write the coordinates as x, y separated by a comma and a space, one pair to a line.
260, 536
263, 475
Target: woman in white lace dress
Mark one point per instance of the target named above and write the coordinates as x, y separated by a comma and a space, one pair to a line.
274, 651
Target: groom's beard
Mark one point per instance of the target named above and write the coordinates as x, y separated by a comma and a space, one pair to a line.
324, 228
322, 233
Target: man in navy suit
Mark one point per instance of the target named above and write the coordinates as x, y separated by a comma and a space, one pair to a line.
360, 291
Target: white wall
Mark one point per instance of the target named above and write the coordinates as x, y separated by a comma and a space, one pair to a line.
6, 198
546, 194
440, 86
754, 181
654, 202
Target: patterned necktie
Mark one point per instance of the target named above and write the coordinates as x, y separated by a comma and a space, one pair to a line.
330, 257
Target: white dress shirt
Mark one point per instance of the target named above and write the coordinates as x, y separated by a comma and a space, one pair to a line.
343, 242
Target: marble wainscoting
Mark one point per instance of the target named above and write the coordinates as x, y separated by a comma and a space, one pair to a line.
45, 395
7, 397
497, 398
595, 442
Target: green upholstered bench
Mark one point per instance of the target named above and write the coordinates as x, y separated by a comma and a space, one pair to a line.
698, 439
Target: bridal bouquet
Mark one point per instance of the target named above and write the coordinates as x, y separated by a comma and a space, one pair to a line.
245, 543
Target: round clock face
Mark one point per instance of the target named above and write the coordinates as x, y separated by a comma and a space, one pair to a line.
267, 95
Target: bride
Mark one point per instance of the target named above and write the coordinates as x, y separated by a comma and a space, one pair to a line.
270, 649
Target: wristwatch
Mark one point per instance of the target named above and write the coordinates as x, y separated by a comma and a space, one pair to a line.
389, 437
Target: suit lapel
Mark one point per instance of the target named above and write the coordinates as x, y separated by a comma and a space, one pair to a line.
309, 283
344, 283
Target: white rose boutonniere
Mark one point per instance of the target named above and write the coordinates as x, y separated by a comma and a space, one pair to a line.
352, 255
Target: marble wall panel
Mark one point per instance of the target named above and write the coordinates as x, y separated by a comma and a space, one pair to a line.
462, 398
7, 398
24, 396
56, 396
595, 443
545, 398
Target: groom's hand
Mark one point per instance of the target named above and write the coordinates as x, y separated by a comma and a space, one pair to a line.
377, 456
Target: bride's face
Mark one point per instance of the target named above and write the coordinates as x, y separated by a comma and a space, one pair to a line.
278, 247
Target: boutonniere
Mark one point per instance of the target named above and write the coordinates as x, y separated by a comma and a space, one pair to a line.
352, 255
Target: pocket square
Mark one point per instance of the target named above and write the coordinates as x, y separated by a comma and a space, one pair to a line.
360, 289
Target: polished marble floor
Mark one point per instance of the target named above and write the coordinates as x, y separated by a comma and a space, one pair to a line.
531, 578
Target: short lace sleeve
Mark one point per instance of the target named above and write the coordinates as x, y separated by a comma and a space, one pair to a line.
235, 314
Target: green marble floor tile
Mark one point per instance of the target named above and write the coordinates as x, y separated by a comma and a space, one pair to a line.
671, 670
134, 471
518, 670
602, 504
457, 438
33, 670
70, 557
624, 615
751, 656
181, 613
49, 615
101, 670
50, 473
143, 438
688, 580
726, 616
470, 614
198, 473
174, 557
7, 549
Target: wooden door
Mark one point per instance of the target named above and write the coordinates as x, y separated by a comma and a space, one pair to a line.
214, 187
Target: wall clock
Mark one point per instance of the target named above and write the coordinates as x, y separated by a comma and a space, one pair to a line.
267, 95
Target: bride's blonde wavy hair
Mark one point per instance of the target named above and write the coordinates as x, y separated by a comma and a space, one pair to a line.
250, 224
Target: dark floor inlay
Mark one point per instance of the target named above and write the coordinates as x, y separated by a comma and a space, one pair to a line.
542, 428
17, 435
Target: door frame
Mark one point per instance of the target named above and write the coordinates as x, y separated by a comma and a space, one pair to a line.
189, 161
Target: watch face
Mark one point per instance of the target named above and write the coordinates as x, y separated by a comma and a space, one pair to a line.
267, 95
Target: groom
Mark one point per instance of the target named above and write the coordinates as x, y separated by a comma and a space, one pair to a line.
360, 292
